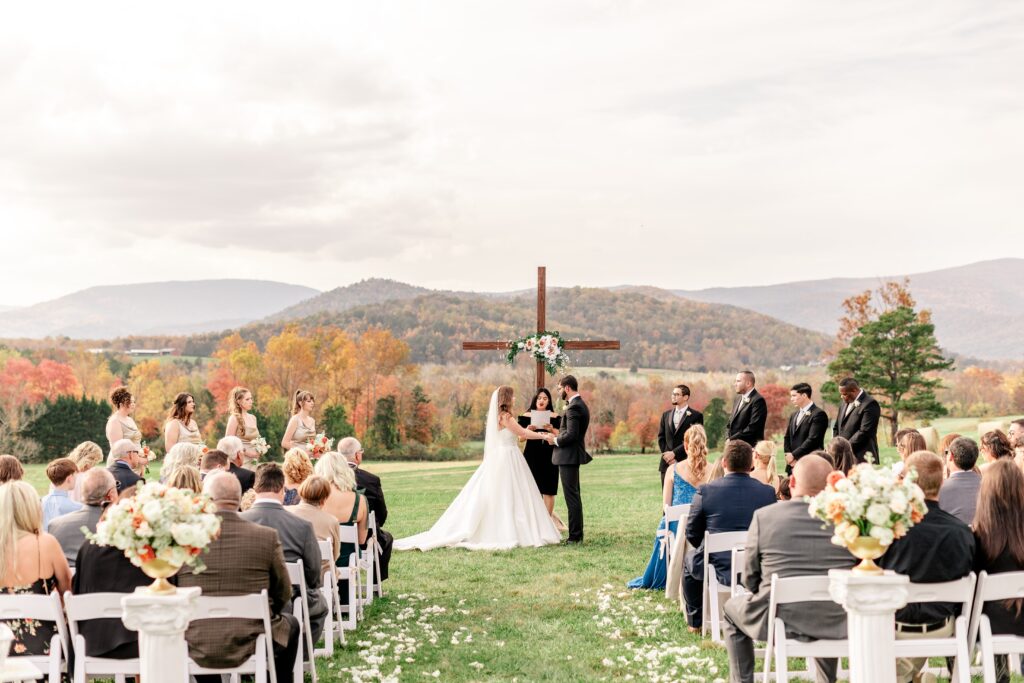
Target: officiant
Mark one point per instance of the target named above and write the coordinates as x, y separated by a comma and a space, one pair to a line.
541, 418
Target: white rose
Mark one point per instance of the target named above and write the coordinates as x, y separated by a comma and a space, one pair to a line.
898, 503
883, 535
152, 511
878, 514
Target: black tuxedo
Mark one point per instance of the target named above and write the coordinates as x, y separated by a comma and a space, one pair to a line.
748, 419
859, 426
570, 452
370, 484
808, 436
247, 478
670, 437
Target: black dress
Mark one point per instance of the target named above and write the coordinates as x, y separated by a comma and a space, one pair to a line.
1004, 619
538, 457
105, 569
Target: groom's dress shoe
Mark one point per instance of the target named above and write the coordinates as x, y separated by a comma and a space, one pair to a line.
572, 541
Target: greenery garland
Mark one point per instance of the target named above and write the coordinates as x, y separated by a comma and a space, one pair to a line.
547, 347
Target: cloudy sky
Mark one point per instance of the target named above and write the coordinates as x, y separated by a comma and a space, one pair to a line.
459, 145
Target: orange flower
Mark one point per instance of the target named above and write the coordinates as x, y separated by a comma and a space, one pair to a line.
834, 477
147, 554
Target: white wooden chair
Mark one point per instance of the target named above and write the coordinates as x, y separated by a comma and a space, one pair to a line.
366, 558
349, 534
992, 588
962, 591
253, 606
739, 553
787, 591
304, 659
41, 608
329, 588
378, 582
667, 537
711, 602
85, 608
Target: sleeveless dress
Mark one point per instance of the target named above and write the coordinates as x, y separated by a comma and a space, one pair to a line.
656, 572
538, 457
248, 435
498, 508
31, 636
189, 435
129, 430
302, 435
347, 549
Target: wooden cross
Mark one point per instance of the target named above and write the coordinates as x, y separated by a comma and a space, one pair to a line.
541, 324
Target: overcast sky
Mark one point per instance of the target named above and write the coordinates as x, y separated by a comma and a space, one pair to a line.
459, 145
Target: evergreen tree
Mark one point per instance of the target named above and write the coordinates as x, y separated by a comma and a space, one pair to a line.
384, 431
65, 422
715, 420
336, 424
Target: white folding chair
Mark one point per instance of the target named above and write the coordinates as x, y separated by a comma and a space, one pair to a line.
736, 571
667, 537
329, 588
253, 606
992, 588
85, 608
711, 603
378, 582
349, 534
961, 591
787, 591
304, 660
40, 608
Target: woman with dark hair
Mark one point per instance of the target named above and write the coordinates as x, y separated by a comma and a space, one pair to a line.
538, 452
181, 424
841, 452
999, 533
994, 446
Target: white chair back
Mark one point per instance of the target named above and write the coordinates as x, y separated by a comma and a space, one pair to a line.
81, 608
789, 590
252, 606
676, 513
40, 608
992, 588
959, 591
721, 542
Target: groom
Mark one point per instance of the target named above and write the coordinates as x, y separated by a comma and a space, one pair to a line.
570, 453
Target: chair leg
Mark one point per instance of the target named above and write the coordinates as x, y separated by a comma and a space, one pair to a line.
988, 660
781, 661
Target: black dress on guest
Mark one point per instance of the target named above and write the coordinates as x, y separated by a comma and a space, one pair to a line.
538, 457
1004, 620
105, 569
31, 636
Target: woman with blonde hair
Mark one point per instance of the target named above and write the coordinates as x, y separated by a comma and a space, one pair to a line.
302, 426
347, 505
679, 489
764, 464
181, 424
241, 422
182, 454
85, 455
31, 562
186, 477
297, 468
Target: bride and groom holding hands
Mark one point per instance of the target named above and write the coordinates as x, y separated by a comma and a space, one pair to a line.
500, 507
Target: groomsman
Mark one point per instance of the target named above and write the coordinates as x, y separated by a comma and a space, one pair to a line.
674, 423
807, 426
857, 421
750, 412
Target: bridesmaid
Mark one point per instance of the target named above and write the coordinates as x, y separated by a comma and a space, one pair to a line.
538, 454
121, 424
181, 424
240, 422
302, 426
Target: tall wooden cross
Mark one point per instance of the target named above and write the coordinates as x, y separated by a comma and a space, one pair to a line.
541, 324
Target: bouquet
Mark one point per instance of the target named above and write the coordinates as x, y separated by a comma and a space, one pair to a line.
547, 347
160, 523
319, 444
869, 504
259, 444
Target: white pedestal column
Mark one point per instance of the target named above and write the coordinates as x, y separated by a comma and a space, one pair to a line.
161, 621
871, 603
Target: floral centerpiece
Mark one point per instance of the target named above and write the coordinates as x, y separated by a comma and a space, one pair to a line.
547, 347
869, 509
319, 444
160, 529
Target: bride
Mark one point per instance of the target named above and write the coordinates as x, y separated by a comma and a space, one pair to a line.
500, 506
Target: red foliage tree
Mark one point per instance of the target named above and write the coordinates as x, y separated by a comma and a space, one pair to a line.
777, 398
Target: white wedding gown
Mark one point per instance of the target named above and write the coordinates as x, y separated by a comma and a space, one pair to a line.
500, 506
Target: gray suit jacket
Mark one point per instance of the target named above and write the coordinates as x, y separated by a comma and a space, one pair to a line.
298, 541
784, 540
68, 529
958, 496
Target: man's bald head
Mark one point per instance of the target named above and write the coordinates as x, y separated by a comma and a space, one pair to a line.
97, 483
224, 490
809, 476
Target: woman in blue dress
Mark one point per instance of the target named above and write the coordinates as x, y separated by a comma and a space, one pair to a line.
686, 477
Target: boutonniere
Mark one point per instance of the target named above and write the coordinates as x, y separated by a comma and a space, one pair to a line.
856, 404
685, 413
746, 400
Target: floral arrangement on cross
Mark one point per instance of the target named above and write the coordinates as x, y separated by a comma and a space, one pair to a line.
547, 347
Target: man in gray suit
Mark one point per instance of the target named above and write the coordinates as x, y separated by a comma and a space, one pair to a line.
98, 490
959, 493
298, 541
785, 540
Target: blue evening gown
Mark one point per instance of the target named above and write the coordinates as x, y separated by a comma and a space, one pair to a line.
655, 575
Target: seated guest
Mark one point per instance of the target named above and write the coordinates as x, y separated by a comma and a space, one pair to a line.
105, 569
98, 490
85, 455
313, 494
186, 477
298, 540
727, 504
764, 470
347, 505
994, 445
999, 533
909, 441
369, 484
246, 558
938, 548
959, 494
182, 454
297, 469
785, 540
127, 457
944, 447
213, 461
784, 492
10, 469
1016, 437
31, 562
235, 450
841, 453
61, 473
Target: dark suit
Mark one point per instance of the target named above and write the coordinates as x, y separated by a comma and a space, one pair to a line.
246, 558
726, 504
370, 484
68, 529
247, 478
670, 437
105, 569
859, 426
784, 540
569, 453
748, 419
806, 437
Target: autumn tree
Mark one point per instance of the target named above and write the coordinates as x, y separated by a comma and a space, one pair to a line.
93, 373
860, 309
777, 398
290, 362
378, 354
419, 422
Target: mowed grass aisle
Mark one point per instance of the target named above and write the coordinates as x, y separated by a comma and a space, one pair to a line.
559, 613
